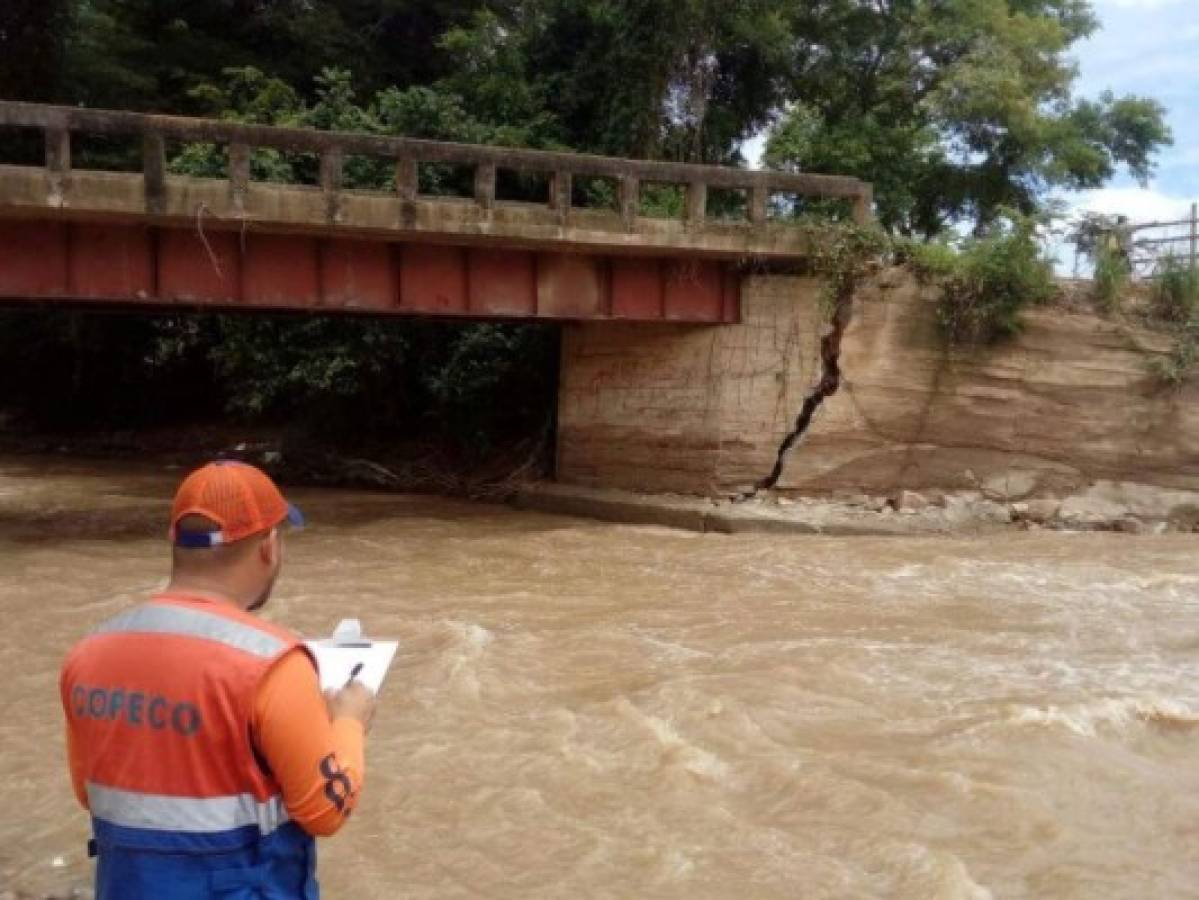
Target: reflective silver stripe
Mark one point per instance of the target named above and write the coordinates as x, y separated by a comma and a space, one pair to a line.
161, 619
190, 814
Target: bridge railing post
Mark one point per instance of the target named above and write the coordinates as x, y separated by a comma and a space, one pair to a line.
239, 175
697, 202
759, 196
154, 167
332, 168
561, 188
407, 181
58, 160
863, 205
58, 149
630, 200
485, 185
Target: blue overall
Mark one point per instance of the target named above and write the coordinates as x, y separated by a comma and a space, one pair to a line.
239, 864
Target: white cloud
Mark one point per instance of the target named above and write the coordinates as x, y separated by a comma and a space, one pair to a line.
1139, 204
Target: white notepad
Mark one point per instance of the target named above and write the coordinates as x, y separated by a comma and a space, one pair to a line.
337, 656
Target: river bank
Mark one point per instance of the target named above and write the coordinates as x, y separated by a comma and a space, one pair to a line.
1104, 506
516, 475
427, 466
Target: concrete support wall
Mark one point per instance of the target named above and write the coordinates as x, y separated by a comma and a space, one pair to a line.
703, 410
683, 408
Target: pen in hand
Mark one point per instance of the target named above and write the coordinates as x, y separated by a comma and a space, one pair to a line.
354, 673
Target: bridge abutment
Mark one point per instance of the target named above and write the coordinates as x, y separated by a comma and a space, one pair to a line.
689, 409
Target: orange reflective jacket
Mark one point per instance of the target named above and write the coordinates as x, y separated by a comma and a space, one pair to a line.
160, 703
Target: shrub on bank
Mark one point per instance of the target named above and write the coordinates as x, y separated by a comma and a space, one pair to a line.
1110, 279
986, 282
1176, 292
1174, 303
1178, 364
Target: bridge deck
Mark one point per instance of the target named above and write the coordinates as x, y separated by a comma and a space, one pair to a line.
175, 231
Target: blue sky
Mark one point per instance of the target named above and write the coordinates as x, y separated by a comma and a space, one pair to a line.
1148, 48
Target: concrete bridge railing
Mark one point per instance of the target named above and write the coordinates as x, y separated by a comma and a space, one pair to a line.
160, 195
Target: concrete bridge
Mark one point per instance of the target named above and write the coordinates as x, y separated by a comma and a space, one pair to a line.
645, 402
152, 237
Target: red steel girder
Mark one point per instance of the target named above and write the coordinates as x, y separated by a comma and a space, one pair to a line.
123, 264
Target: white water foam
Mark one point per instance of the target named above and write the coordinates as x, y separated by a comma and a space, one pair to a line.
461, 657
675, 748
1111, 713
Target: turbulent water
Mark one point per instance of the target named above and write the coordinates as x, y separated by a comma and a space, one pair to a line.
588, 710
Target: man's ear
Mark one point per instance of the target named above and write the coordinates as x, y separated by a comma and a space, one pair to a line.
268, 550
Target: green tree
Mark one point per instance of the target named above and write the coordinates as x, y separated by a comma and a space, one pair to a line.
955, 109
146, 54
684, 80
31, 47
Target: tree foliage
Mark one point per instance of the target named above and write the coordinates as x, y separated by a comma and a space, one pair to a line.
332, 379
31, 47
145, 54
955, 109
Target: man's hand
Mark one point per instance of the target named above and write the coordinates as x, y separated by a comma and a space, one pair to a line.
354, 701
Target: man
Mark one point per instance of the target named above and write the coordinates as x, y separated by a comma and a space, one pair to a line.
198, 737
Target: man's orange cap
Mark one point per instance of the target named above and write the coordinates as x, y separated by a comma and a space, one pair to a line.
241, 499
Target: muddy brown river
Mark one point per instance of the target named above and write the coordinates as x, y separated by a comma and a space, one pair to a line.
589, 710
